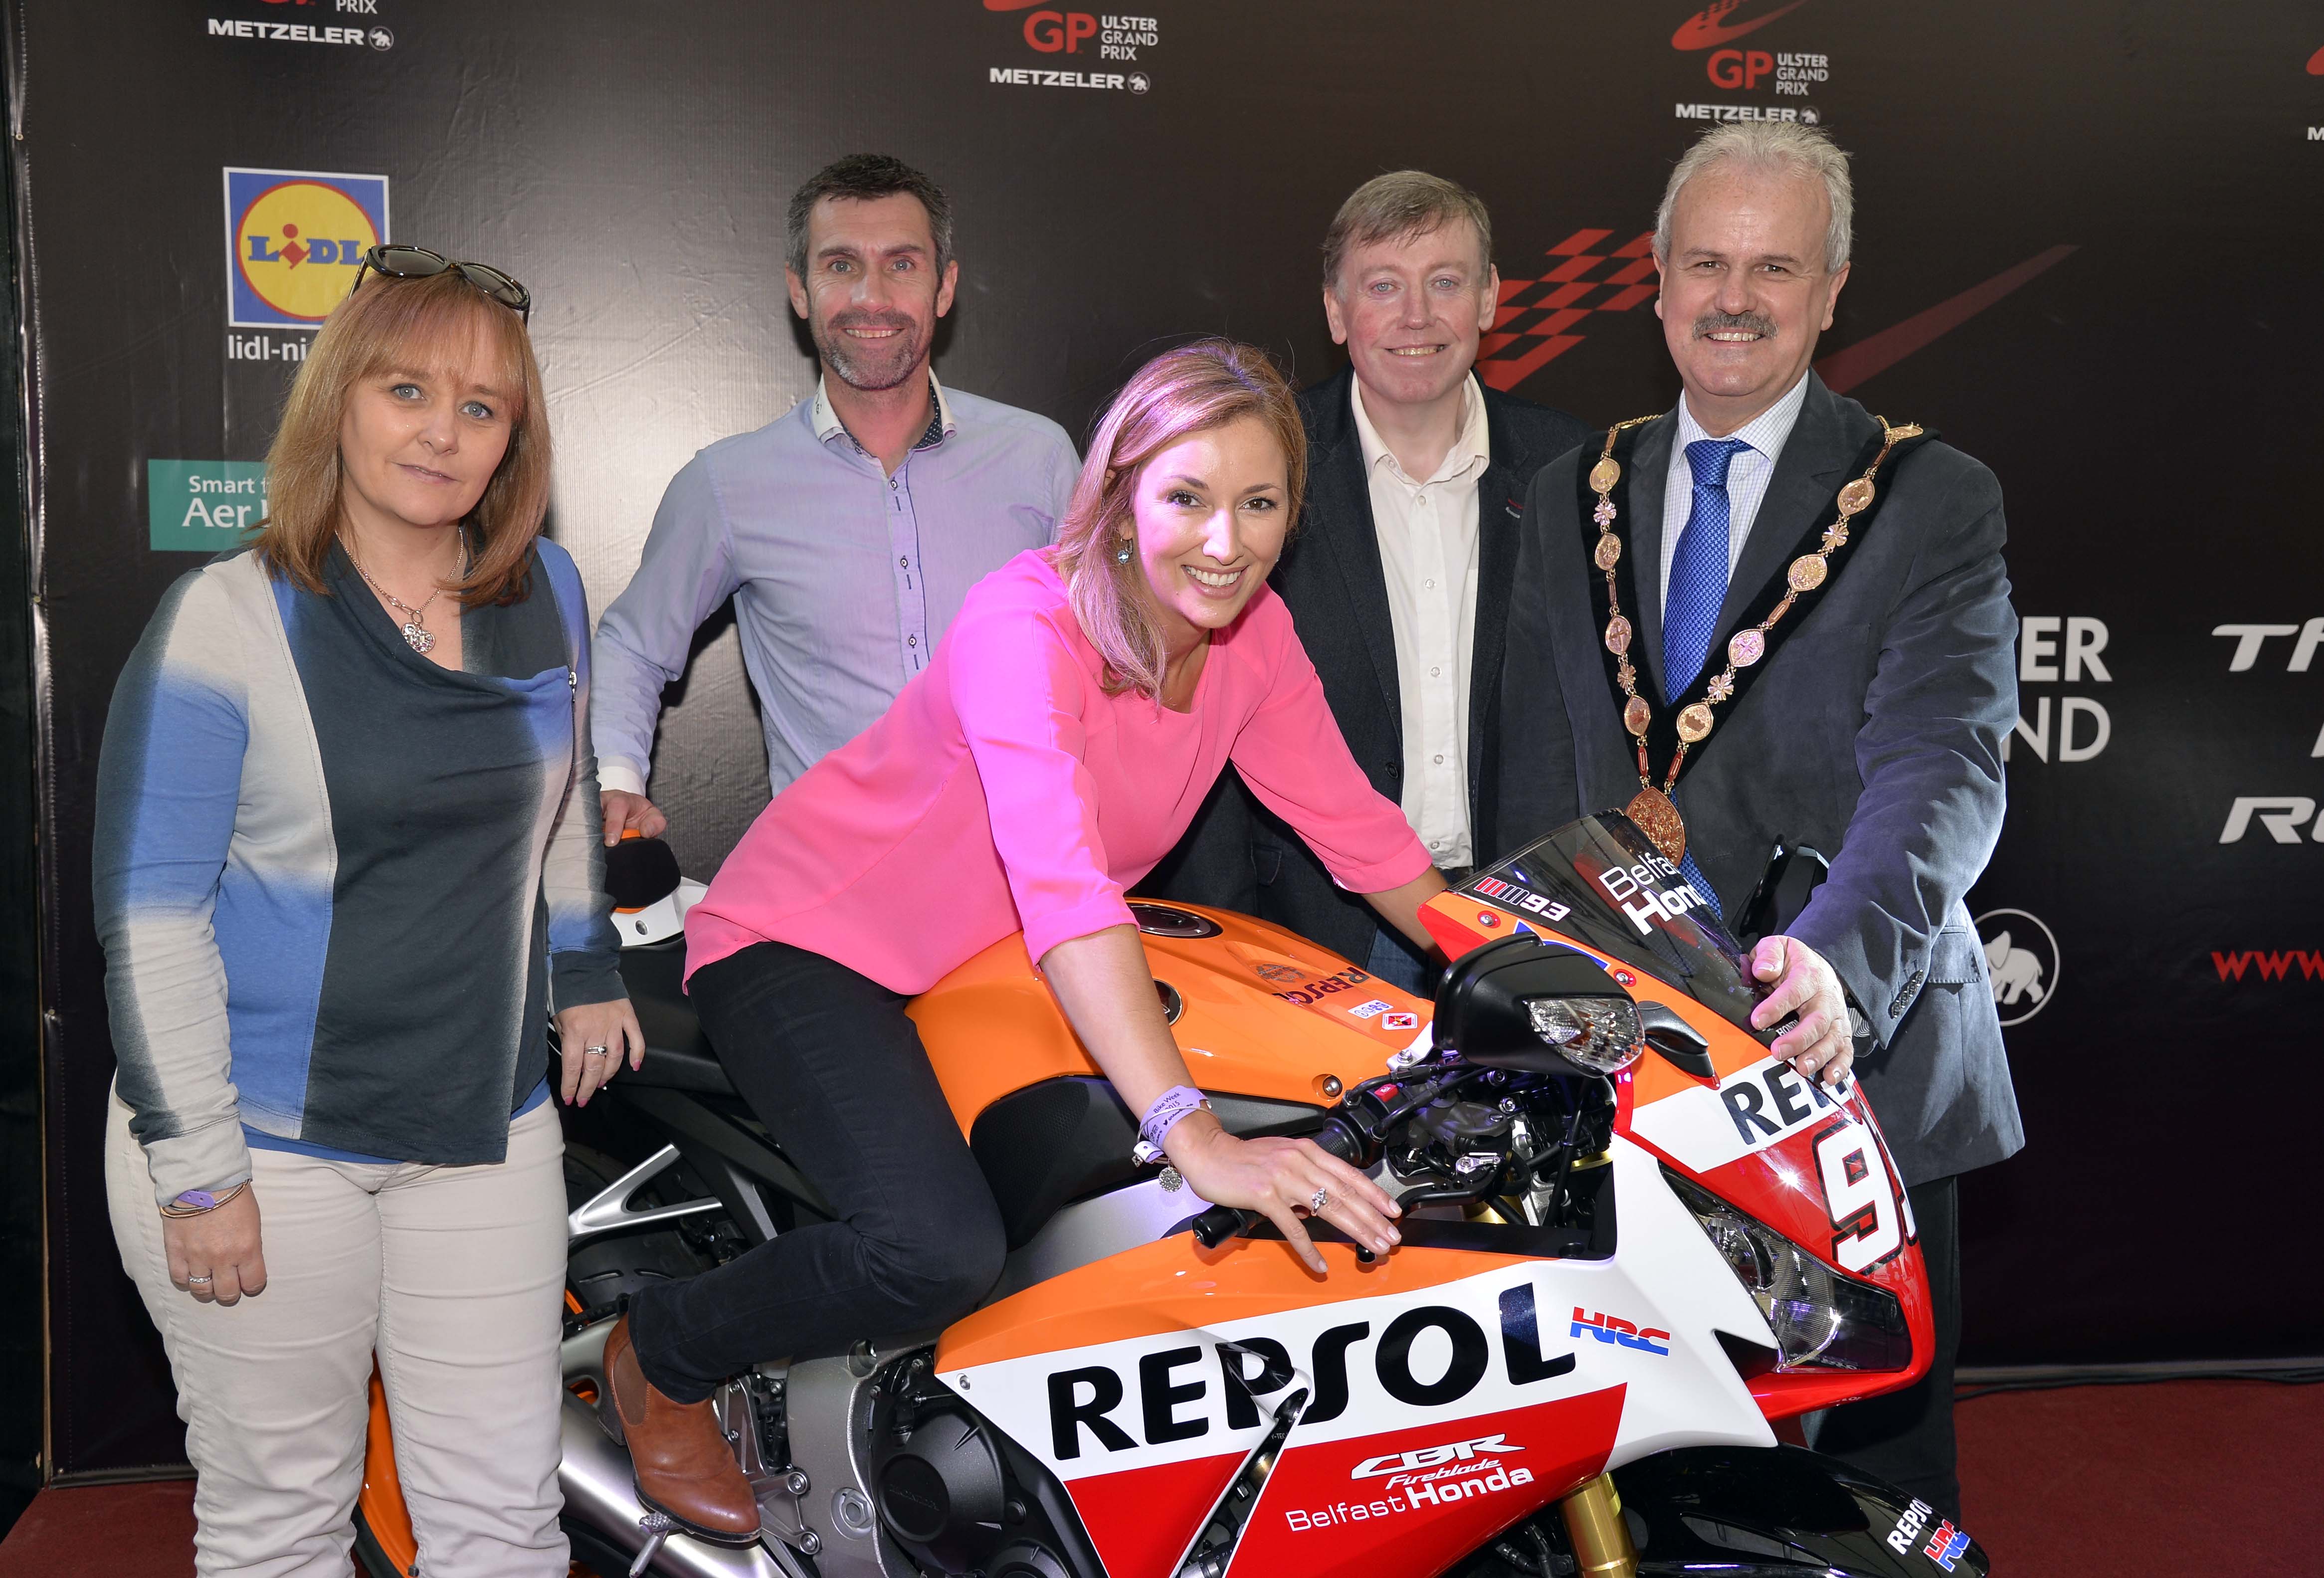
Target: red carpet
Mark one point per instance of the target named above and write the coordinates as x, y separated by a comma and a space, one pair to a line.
104, 1531
2093, 1482
2177, 1477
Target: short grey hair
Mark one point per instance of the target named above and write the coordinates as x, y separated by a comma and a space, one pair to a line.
1397, 206
1780, 145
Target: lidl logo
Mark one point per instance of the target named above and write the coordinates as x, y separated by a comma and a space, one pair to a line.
203, 506
294, 240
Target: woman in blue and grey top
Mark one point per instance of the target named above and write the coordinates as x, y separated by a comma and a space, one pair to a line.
347, 860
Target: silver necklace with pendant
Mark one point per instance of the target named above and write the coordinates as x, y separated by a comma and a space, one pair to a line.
416, 633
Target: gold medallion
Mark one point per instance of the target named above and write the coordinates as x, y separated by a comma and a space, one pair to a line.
1747, 647
1604, 475
1651, 812
1609, 552
1806, 574
1618, 635
1636, 715
1694, 722
1856, 496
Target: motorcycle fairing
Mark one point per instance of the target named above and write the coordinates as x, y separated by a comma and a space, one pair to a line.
1116, 1377
1787, 1511
1264, 1014
1809, 1163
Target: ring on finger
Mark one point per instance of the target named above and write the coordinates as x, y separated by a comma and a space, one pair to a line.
199, 1281
594, 1051
1318, 1200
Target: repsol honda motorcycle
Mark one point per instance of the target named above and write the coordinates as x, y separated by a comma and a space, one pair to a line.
1633, 1241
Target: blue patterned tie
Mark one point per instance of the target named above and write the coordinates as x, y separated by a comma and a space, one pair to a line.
1698, 585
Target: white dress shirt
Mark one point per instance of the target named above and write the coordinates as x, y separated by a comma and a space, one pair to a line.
1747, 476
1427, 534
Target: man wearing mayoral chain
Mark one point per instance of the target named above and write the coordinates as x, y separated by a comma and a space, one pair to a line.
1775, 628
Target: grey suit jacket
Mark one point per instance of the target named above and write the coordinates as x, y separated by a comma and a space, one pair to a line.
1874, 734
1238, 855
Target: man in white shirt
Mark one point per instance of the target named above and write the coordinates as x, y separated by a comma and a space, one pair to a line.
1398, 575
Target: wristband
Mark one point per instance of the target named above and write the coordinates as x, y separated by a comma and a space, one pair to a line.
201, 1202
1178, 1101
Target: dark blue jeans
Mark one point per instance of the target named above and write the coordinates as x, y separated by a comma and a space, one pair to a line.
833, 1068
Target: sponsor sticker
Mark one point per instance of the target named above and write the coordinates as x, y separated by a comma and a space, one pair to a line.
1621, 1332
1945, 1546
1399, 1021
1752, 1109
1364, 1011
1521, 899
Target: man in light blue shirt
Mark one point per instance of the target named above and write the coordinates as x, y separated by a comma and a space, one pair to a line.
847, 532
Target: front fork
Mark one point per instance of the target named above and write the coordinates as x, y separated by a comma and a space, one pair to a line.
1595, 1529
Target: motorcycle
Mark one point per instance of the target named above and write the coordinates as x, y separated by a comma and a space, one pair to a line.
1634, 1243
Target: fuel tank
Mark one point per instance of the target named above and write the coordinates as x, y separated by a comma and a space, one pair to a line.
1256, 1010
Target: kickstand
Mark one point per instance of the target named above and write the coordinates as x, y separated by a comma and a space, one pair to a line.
657, 1527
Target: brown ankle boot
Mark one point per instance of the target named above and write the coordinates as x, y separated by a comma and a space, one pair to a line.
685, 1468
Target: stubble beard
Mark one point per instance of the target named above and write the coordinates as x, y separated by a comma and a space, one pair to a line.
864, 368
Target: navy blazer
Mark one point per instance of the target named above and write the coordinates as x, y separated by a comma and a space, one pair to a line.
1237, 855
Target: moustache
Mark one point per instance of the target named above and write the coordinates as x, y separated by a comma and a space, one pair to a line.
1757, 323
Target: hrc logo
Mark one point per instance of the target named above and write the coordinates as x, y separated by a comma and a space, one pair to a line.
294, 239
1609, 1328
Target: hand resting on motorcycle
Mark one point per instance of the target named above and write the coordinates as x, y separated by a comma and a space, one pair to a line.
1107, 991
1819, 1046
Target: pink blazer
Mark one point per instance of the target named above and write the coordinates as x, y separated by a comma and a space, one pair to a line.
1005, 790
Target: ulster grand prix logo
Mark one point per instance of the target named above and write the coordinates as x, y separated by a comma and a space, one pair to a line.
294, 239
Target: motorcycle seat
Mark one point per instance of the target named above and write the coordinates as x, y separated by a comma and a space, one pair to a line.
678, 1055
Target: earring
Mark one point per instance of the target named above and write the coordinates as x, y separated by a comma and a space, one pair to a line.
1122, 554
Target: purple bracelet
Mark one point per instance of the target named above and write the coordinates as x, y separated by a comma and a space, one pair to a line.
1168, 1108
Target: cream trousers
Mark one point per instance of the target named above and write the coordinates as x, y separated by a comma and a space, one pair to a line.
454, 1274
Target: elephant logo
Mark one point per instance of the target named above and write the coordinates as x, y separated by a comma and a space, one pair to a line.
2021, 956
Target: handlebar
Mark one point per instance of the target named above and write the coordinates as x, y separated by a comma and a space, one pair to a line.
1221, 1223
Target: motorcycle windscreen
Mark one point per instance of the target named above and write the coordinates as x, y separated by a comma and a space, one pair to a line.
1603, 882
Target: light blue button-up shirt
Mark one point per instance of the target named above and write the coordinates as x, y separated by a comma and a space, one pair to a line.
843, 579
1748, 476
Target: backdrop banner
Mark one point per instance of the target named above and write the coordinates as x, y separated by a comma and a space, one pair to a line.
2086, 235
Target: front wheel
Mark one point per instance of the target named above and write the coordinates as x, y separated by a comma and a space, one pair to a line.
1744, 1512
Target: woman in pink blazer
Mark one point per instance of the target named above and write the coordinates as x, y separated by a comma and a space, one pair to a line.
1061, 739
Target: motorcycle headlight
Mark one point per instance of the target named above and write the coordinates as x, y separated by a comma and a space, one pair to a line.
1821, 1319
1600, 1034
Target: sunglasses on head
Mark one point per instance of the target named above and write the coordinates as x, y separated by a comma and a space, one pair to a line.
417, 263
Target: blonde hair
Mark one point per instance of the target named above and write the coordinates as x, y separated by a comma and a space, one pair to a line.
391, 324
1196, 387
